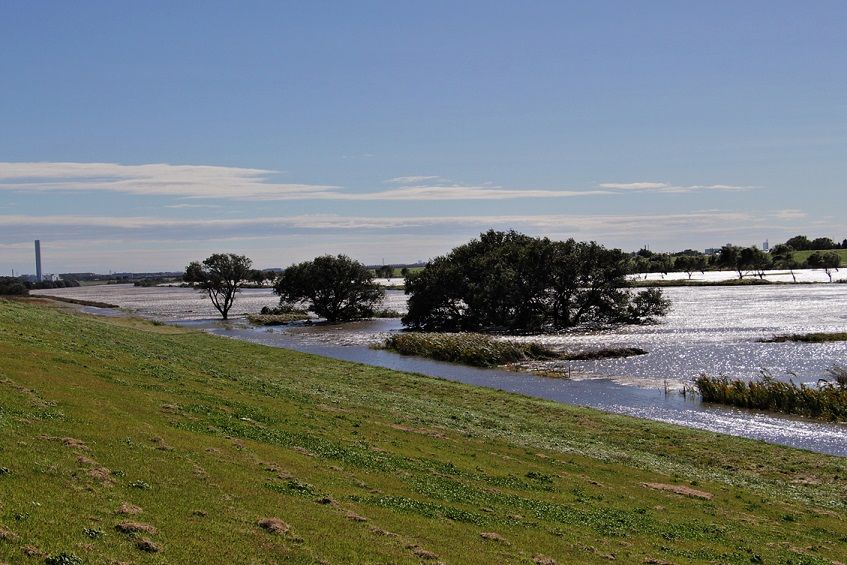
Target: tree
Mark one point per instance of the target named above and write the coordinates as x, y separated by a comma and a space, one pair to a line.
337, 287
799, 243
822, 244
12, 286
741, 259
385, 272
507, 281
221, 276
729, 257
689, 263
754, 259
828, 261
257, 276
783, 258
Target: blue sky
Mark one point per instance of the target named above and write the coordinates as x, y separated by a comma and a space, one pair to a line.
140, 136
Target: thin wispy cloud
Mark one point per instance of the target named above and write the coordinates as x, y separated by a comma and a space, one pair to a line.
664, 187
234, 183
413, 179
68, 227
178, 206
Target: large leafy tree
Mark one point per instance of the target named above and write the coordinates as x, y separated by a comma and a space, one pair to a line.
221, 276
507, 281
744, 259
337, 288
827, 260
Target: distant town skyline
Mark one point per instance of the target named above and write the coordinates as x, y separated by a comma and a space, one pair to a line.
140, 137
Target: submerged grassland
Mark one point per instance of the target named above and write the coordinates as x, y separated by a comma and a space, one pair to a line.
121, 440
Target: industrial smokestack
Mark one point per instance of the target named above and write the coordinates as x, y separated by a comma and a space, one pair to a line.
38, 260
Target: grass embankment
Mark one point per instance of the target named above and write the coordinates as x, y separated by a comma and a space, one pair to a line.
125, 441
821, 337
827, 401
802, 256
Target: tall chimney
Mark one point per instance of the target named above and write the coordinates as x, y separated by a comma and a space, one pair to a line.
38, 260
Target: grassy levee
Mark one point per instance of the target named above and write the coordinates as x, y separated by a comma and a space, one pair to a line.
208, 437
801, 256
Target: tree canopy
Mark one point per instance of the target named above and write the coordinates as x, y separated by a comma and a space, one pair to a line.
336, 287
507, 281
221, 276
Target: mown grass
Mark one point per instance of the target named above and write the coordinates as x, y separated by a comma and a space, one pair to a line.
820, 337
827, 401
220, 451
474, 349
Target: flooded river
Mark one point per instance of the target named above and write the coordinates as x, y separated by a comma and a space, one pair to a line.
710, 329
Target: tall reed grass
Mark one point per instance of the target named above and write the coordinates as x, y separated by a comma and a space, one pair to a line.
826, 400
468, 348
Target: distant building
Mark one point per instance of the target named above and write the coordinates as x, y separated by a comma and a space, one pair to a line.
38, 260
766, 246
712, 250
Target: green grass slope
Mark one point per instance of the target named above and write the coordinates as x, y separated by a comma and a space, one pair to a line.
801, 256
121, 441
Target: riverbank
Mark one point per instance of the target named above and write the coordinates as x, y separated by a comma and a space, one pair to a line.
207, 438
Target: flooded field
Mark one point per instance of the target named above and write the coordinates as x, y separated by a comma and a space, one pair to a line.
710, 329
713, 330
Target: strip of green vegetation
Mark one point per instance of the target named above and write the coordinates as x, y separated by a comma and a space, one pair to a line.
750, 281
121, 441
277, 319
478, 350
803, 256
819, 337
826, 401
605, 353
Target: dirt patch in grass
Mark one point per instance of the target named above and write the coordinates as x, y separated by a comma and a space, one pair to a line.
74, 443
129, 527
147, 545
680, 489
543, 560
161, 444
32, 551
380, 532
418, 551
355, 517
7, 534
274, 525
128, 509
86, 461
422, 431
101, 474
493, 536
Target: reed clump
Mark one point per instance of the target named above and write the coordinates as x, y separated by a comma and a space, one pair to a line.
475, 349
817, 337
827, 400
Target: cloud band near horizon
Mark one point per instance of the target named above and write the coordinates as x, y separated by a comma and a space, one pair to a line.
249, 184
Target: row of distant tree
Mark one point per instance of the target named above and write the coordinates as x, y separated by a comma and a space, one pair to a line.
19, 286
745, 261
